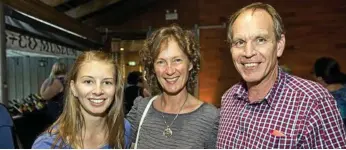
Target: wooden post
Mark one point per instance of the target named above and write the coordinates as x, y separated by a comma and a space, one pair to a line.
3, 75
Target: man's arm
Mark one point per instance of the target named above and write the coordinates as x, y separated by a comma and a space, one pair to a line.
324, 128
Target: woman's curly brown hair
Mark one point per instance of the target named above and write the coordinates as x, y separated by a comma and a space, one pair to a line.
153, 46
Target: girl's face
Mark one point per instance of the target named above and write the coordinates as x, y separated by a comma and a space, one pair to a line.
95, 87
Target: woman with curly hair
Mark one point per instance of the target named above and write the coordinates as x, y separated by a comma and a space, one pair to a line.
93, 113
174, 118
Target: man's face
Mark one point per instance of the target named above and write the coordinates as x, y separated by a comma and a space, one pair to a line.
254, 48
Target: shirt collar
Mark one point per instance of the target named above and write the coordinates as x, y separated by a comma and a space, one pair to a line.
242, 91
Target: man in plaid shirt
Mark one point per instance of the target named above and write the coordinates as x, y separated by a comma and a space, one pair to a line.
270, 108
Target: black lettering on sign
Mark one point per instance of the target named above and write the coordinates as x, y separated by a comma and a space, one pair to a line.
67, 50
22, 43
32, 43
51, 48
39, 45
59, 48
63, 50
11, 37
48, 47
55, 48
44, 46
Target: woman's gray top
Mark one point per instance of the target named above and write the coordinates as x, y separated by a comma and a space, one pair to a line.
197, 129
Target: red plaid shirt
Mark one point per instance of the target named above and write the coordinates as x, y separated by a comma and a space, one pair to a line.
296, 113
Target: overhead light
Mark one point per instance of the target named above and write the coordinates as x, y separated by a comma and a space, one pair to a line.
52, 25
132, 63
122, 49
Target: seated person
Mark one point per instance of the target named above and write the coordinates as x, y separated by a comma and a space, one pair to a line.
136, 86
6, 126
327, 72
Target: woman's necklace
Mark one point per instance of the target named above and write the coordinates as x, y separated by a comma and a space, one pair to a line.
168, 131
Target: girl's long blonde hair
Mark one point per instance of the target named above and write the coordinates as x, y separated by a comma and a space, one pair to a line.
67, 128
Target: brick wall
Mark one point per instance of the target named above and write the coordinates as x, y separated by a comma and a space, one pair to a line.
314, 28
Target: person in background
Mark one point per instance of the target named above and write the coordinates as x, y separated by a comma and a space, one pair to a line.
143, 83
327, 73
93, 114
6, 129
52, 90
270, 108
174, 117
135, 87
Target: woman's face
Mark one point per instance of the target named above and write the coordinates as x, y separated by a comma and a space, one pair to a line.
172, 68
95, 87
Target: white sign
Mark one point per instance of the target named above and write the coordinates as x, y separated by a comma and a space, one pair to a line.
172, 16
17, 41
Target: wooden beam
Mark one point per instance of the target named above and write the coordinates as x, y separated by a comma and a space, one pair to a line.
120, 13
49, 14
89, 7
54, 3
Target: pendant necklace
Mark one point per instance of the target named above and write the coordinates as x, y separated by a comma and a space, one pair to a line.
167, 132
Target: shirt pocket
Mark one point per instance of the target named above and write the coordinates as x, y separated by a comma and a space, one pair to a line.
279, 142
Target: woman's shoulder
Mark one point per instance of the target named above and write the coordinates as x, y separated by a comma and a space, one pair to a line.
210, 107
128, 133
44, 141
127, 126
142, 102
47, 139
209, 111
